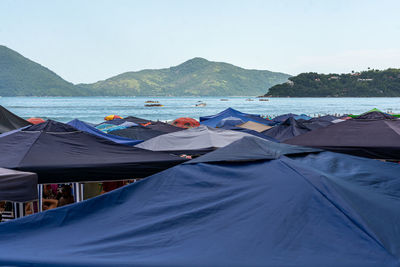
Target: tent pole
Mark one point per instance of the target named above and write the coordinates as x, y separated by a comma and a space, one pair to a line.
18, 208
40, 197
15, 207
82, 187
21, 209
74, 188
78, 192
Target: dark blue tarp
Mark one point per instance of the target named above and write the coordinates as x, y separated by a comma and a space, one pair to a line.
323, 118
59, 153
229, 121
139, 133
135, 120
376, 115
229, 112
164, 127
287, 129
18, 186
113, 122
212, 121
282, 211
364, 136
251, 149
316, 123
80, 125
283, 117
9, 121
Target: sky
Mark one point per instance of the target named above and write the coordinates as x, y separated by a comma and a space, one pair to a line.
84, 41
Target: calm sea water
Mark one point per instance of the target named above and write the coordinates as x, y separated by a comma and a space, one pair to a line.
93, 109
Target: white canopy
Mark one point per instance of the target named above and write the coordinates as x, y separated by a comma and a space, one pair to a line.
199, 138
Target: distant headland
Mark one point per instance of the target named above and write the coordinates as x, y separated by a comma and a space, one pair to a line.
369, 83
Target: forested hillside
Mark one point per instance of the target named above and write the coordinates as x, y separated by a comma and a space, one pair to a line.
195, 77
370, 83
20, 76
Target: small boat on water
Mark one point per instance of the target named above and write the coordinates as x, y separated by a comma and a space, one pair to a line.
153, 105
263, 99
249, 99
151, 101
223, 99
201, 105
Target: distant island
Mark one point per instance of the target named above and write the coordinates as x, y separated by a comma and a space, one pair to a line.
20, 76
369, 83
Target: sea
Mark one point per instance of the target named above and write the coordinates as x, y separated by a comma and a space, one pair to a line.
94, 109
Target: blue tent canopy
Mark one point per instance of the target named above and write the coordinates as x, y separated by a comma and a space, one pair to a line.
107, 128
227, 113
60, 153
212, 121
287, 129
229, 121
255, 149
80, 125
283, 117
308, 209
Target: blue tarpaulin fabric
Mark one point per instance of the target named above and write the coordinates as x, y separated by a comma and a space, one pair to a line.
283, 117
250, 148
287, 129
227, 113
272, 212
229, 121
59, 153
9, 121
110, 127
212, 121
80, 125
371, 135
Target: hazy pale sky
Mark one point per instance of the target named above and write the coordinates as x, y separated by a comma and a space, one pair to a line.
91, 40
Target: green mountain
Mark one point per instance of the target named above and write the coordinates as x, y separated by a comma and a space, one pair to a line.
371, 83
20, 76
195, 77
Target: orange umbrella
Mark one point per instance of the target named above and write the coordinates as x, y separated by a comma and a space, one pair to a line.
186, 123
112, 117
35, 120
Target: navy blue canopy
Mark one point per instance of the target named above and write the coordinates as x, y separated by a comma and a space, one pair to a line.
9, 121
277, 211
132, 119
251, 149
113, 122
283, 117
363, 136
212, 121
136, 120
287, 129
376, 115
164, 127
229, 112
17, 186
320, 122
59, 153
138, 133
229, 121
80, 125
323, 118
